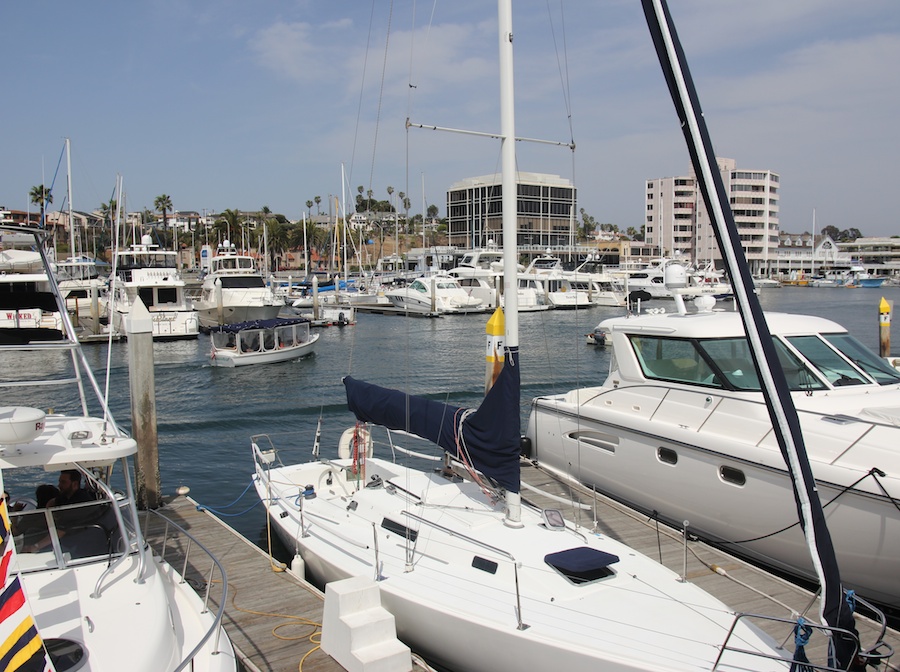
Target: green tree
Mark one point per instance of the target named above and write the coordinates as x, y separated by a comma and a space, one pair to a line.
163, 203
588, 225
832, 231
309, 205
108, 211
318, 200
42, 197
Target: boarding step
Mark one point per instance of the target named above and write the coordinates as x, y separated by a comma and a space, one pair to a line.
358, 632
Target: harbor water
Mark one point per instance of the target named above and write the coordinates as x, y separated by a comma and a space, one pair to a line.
207, 415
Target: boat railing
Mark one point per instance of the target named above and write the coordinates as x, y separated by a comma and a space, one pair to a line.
493, 549
215, 566
874, 655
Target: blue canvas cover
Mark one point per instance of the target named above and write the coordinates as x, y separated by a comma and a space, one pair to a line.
258, 324
490, 435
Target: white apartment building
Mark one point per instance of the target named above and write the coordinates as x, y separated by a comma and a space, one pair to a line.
545, 211
677, 223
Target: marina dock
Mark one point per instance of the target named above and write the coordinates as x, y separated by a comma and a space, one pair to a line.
273, 617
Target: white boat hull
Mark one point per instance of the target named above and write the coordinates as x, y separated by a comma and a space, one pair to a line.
464, 617
615, 437
233, 313
232, 358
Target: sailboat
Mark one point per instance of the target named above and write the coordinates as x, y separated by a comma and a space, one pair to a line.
77, 275
473, 577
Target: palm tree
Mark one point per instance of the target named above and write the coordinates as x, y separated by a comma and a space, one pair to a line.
229, 221
309, 205
318, 199
41, 196
163, 203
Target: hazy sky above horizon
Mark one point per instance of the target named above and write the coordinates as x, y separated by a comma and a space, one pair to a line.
242, 105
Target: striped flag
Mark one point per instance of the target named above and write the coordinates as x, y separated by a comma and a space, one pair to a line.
21, 647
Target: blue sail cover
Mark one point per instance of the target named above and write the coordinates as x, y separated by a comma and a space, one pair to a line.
489, 435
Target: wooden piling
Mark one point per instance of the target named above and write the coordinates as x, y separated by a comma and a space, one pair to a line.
885, 308
139, 327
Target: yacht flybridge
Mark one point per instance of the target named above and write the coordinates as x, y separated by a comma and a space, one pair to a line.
101, 601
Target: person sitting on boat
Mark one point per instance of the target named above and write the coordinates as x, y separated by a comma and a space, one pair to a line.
70, 492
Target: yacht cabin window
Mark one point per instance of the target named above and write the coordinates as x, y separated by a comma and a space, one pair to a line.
844, 360
722, 363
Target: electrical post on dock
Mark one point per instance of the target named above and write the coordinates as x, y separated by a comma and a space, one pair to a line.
885, 308
139, 327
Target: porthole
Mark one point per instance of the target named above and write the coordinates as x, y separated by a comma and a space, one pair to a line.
732, 475
667, 455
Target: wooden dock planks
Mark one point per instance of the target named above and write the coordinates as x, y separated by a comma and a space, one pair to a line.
269, 616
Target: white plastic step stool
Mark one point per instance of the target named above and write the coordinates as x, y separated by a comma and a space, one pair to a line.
358, 632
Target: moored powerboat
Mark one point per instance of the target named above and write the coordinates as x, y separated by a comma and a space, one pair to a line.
679, 428
99, 598
147, 272
235, 290
439, 293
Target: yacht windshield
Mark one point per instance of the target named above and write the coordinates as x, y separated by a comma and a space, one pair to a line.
843, 360
715, 362
62, 536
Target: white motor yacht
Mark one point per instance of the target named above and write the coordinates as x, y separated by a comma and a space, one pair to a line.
145, 271
234, 290
679, 428
439, 293
100, 600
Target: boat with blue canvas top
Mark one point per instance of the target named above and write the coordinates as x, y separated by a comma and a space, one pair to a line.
261, 342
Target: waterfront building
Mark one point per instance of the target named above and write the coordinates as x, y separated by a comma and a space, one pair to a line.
676, 221
878, 256
806, 254
545, 211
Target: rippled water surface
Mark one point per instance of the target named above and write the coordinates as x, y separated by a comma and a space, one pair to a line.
207, 415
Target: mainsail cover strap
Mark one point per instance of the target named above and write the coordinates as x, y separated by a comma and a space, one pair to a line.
490, 433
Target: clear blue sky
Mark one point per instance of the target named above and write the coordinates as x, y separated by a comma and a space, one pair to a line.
234, 104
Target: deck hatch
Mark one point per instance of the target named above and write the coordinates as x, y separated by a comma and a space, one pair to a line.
582, 564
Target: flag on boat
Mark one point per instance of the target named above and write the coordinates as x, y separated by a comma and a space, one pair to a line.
486, 437
21, 647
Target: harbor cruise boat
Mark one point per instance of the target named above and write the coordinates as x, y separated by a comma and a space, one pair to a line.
234, 290
679, 429
98, 598
146, 271
261, 342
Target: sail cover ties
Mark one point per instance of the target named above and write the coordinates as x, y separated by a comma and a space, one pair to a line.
490, 433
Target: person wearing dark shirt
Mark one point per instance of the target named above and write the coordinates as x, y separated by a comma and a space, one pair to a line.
70, 490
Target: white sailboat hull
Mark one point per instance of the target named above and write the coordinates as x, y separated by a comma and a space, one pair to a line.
453, 592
